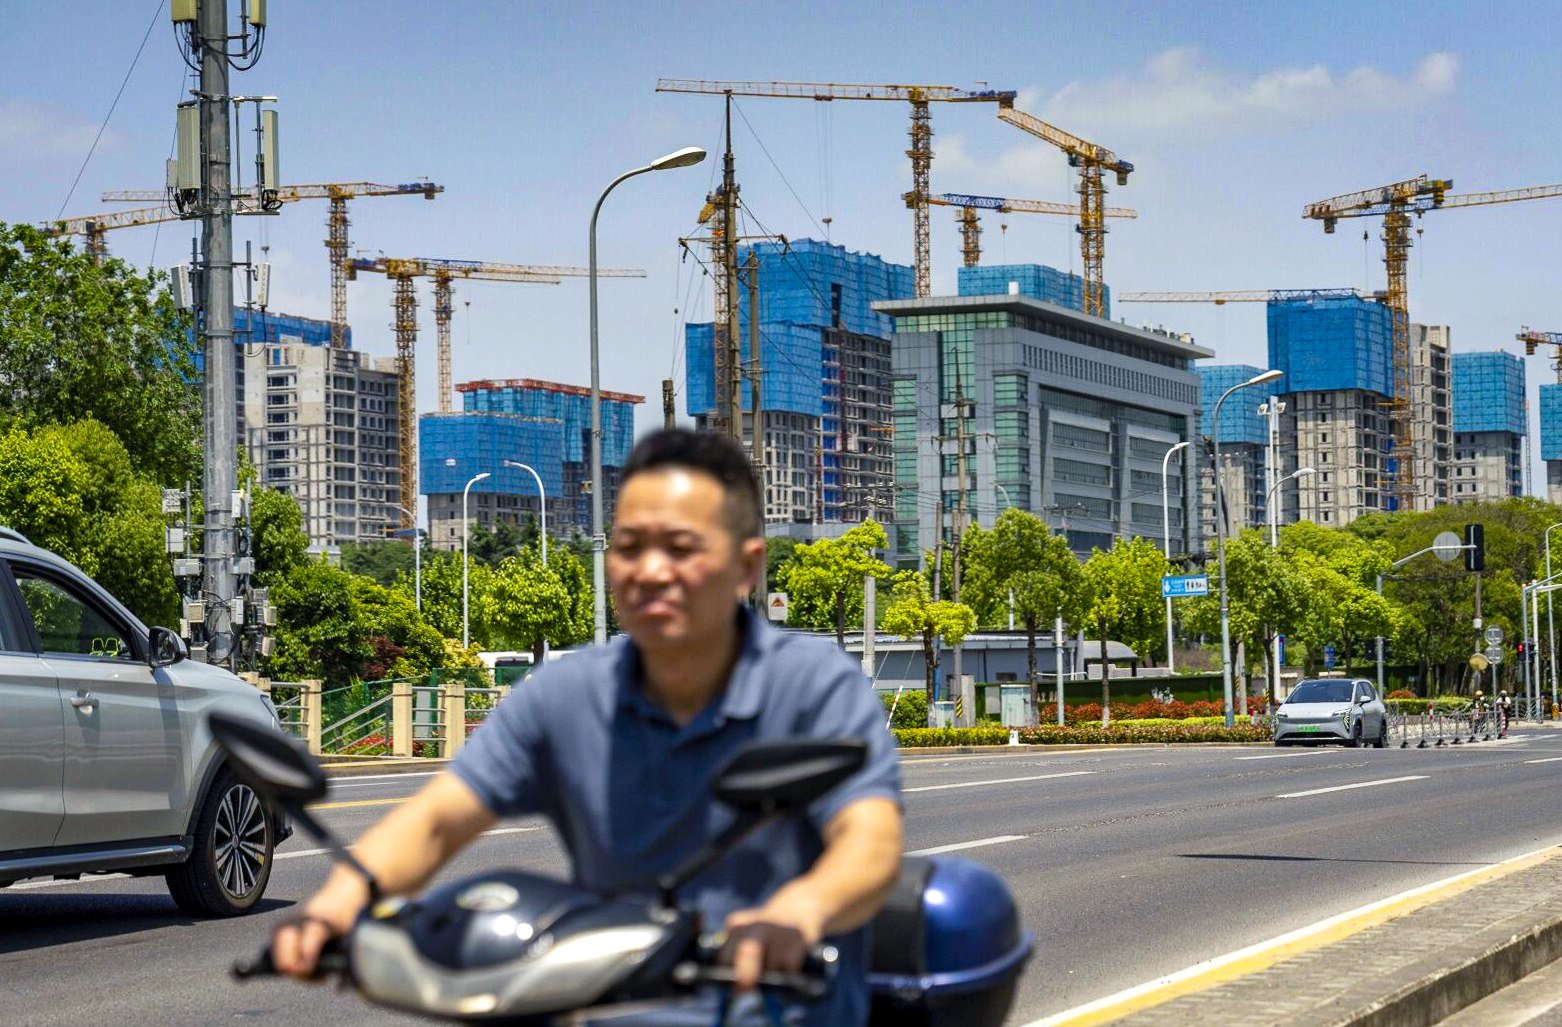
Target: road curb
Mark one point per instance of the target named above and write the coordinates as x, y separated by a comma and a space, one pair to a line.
1439, 995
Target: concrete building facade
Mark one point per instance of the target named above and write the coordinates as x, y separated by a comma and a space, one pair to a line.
1431, 414
321, 425
1489, 426
1062, 414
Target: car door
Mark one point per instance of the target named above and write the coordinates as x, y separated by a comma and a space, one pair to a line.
32, 737
123, 746
1371, 718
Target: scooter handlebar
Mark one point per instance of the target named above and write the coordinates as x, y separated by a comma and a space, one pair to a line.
332, 963
810, 981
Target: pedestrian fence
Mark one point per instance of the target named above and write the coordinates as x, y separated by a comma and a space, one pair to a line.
1436, 727
424, 716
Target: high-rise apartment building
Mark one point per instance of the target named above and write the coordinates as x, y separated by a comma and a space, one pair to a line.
545, 425
321, 425
1489, 426
1038, 281
1431, 416
1243, 436
1063, 414
824, 365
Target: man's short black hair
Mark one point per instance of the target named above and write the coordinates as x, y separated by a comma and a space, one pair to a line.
717, 456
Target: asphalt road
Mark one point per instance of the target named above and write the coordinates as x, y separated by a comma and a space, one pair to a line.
1128, 864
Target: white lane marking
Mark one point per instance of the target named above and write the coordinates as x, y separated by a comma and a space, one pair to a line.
1548, 759
1033, 753
1301, 933
999, 781
1358, 784
276, 857
957, 846
1282, 755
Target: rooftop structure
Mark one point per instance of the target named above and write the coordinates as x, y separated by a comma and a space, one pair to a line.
1037, 281
1326, 343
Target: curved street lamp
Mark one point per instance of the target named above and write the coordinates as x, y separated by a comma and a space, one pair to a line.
542, 504
686, 157
1274, 542
466, 529
417, 556
1220, 534
1171, 661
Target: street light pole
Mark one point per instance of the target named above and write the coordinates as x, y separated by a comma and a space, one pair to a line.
1171, 660
466, 529
683, 158
1551, 624
1220, 545
417, 556
542, 503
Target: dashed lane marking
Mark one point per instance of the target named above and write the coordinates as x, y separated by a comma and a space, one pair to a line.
976, 844
999, 781
1358, 784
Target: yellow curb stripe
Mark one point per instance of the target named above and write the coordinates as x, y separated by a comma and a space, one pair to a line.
1222, 969
359, 803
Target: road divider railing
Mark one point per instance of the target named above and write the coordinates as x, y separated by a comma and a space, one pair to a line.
1437, 725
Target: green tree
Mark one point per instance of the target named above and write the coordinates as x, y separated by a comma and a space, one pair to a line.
442, 593
913, 613
824, 583
1267, 594
321, 630
402, 643
80, 340
1124, 586
528, 604
383, 560
277, 538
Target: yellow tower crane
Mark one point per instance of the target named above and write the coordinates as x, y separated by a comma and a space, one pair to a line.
338, 193
1394, 204
970, 225
401, 271
920, 152
93, 227
1091, 160
1531, 339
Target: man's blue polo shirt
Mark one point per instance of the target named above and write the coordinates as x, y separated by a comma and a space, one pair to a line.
629, 790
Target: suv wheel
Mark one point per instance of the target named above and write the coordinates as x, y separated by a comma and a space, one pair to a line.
227, 871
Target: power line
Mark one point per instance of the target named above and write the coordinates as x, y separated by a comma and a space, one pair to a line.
738, 107
111, 107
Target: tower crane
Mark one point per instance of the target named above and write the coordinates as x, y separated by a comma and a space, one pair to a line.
1091, 160
338, 193
1248, 296
401, 271
1395, 203
1531, 339
971, 229
921, 151
92, 227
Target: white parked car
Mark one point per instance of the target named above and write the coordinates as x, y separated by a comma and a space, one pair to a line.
106, 764
1332, 710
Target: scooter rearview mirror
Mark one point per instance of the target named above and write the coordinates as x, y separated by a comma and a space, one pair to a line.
770, 777
277, 766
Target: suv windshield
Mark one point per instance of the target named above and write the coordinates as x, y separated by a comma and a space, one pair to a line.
1321, 691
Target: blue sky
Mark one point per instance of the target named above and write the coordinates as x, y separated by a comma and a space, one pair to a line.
1234, 114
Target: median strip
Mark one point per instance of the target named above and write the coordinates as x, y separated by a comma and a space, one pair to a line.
1346, 788
999, 781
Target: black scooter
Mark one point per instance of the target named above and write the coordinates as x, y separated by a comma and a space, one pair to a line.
520, 948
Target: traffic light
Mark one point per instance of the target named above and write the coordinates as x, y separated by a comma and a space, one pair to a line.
1474, 547
1521, 650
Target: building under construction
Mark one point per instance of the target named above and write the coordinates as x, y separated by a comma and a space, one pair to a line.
1243, 432
823, 374
1489, 426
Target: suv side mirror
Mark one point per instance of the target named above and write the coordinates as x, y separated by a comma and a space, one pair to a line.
165, 648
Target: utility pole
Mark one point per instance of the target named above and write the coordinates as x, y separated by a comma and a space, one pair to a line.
221, 473
668, 407
757, 433
966, 702
729, 368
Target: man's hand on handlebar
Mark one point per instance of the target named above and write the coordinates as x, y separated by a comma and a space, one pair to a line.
297, 942
774, 937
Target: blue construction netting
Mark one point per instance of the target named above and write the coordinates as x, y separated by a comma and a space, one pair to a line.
1551, 422
272, 330
1488, 392
452, 448
1325, 343
1240, 420
803, 289
1038, 281
792, 357
571, 409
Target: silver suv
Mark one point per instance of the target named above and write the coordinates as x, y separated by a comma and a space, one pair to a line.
106, 763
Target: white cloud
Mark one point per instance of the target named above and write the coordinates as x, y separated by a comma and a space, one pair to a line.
38, 131
1179, 90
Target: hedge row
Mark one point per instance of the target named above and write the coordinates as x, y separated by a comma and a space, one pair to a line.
1154, 732
1415, 707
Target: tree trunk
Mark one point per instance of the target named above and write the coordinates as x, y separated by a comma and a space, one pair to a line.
1030, 668
539, 644
1106, 681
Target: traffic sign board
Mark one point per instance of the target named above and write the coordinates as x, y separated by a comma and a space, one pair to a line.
1174, 586
1494, 654
1494, 635
1447, 546
776, 606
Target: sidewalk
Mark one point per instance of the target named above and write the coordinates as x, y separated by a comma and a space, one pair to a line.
1416, 961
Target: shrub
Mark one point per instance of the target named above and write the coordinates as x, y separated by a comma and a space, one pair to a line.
1158, 732
1401, 693
910, 710
920, 736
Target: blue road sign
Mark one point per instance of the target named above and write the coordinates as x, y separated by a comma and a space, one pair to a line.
1328, 657
1175, 586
